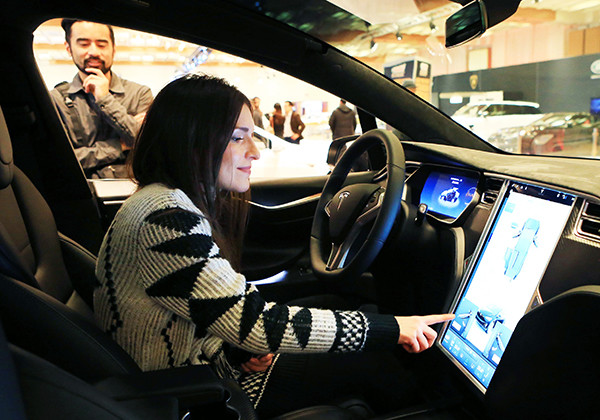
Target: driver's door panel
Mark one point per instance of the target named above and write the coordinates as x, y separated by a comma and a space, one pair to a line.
280, 221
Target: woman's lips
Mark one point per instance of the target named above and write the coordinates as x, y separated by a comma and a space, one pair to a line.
245, 169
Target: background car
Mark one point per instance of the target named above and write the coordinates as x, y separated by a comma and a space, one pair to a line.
569, 133
485, 118
565, 133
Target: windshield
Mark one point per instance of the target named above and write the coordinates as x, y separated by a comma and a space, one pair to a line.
547, 53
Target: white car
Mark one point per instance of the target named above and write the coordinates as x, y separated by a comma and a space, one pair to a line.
485, 118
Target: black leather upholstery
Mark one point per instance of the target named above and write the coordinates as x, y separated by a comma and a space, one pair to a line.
11, 404
29, 244
551, 366
6, 157
50, 393
44, 326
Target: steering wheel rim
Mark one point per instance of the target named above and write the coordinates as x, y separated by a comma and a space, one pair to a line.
388, 205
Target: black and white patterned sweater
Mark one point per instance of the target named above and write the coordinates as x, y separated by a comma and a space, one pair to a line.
170, 299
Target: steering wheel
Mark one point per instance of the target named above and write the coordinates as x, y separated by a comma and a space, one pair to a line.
343, 212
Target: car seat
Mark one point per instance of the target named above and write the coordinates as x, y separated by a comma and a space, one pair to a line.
46, 287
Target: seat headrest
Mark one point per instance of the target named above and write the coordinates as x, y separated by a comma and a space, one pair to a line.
6, 156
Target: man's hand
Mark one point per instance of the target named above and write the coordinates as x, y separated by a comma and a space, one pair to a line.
416, 334
96, 83
258, 364
295, 136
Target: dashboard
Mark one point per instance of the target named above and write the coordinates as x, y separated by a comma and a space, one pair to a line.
522, 242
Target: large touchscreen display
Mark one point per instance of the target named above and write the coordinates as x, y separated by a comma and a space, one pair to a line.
503, 280
448, 195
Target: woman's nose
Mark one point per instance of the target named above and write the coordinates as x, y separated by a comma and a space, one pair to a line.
252, 151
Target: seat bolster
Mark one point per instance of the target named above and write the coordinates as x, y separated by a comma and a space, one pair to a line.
6, 156
81, 266
46, 327
50, 393
50, 271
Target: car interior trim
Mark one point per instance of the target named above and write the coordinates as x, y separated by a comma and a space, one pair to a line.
299, 202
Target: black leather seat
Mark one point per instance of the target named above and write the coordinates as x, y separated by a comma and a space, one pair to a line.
46, 287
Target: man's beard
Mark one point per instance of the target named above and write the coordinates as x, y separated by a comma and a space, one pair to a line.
102, 67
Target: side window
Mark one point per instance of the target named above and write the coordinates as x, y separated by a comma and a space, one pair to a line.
529, 110
293, 137
495, 110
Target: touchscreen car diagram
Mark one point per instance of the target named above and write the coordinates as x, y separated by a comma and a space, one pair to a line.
496, 345
449, 197
489, 317
515, 257
483, 327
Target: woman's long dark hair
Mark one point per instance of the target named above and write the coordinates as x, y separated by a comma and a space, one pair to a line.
278, 117
181, 145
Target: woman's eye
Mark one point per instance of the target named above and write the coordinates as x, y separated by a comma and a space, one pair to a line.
237, 139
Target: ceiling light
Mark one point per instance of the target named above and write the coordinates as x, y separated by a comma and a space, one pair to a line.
398, 36
432, 26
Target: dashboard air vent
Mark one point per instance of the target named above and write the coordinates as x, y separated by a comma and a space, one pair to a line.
592, 210
491, 190
589, 221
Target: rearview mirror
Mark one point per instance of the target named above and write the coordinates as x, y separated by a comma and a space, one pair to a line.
468, 23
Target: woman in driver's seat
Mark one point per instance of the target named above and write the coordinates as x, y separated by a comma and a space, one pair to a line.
170, 292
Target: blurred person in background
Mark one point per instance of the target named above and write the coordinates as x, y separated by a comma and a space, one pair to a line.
293, 125
277, 120
342, 121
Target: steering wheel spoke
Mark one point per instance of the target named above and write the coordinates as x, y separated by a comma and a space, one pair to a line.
371, 209
337, 256
339, 252
327, 210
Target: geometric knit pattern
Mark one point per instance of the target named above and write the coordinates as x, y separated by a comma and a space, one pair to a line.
254, 384
169, 298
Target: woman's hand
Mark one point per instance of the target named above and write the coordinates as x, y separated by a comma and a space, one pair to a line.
416, 334
258, 363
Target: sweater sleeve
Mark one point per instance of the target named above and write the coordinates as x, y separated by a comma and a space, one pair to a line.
183, 271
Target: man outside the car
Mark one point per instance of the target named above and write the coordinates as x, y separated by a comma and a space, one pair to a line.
293, 125
101, 112
342, 121
257, 114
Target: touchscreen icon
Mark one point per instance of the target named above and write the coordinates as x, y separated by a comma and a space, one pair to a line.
515, 257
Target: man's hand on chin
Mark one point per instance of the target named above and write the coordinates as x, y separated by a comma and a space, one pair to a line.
96, 83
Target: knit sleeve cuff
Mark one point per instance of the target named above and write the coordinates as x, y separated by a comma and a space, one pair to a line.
384, 332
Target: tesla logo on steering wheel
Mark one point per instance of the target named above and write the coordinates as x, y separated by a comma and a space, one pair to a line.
342, 197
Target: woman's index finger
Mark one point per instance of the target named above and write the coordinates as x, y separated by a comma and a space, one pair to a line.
436, 319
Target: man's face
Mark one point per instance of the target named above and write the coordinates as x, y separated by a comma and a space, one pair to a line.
256, 103
90, 46
287, 107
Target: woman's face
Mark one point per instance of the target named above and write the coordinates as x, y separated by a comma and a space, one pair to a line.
234, 173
